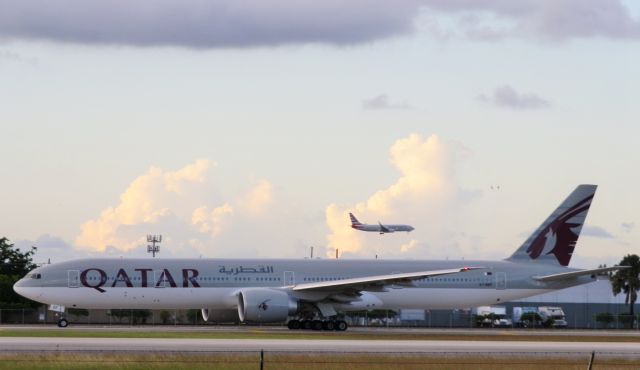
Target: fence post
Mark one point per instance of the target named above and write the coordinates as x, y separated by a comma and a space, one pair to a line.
593, 354
262, 359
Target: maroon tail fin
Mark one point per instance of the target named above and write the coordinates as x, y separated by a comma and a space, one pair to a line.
555, 240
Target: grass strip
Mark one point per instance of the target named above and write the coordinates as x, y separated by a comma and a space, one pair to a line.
330, 361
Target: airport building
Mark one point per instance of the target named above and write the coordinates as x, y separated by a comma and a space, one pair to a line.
581, 305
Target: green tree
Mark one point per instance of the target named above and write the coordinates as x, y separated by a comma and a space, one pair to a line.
626, 280
530, 319
605, 318
165, 316
14, 264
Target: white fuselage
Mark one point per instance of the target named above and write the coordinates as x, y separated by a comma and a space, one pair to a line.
382, 229
226, 298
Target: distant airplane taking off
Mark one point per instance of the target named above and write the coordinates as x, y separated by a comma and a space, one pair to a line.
379, 228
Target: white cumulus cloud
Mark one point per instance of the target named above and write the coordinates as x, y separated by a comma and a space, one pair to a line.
425, 195
176, 203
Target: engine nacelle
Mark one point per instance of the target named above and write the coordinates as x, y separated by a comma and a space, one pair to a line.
219, 316
265, 305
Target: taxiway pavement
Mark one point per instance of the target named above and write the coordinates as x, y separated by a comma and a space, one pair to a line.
309, 345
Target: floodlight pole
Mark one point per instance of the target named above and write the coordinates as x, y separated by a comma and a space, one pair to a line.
153, 248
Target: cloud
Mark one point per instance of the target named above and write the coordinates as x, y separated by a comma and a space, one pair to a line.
211, 221
596, 232
550, 20
206, 23
255, 23
49, 248
382, 102
257, 199
176, 203
15, 57
425, 194
404, 248
507, 97
627, 227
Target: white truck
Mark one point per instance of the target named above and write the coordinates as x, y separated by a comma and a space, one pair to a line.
492, 316
554, 313
543, 313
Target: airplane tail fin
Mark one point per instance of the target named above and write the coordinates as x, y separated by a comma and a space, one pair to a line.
354, 220
554, 241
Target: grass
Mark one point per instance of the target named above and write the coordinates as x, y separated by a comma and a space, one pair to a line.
240, 361
266, 334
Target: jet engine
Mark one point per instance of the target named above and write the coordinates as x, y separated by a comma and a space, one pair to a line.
219, 316
265, 305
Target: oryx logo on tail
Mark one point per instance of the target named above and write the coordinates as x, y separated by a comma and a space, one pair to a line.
560, 236
553, 242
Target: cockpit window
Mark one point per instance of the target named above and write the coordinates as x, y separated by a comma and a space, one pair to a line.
36, 276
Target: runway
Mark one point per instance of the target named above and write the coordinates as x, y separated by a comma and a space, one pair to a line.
20, 344
360, 330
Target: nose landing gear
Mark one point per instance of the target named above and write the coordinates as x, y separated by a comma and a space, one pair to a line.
63, 323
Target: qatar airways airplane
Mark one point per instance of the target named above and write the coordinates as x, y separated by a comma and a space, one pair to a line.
309, 293
379, 228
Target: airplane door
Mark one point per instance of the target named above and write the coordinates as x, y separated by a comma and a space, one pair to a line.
289, 278
501, 280
73, 278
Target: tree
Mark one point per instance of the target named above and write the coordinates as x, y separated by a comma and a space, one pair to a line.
605, 318
530, 319
14, 264
626, 281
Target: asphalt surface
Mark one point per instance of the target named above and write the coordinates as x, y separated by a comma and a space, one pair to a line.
359, 330
15, 344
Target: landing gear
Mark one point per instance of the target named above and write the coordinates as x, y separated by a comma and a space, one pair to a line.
63, 323
327, 325
293, 324
341, 325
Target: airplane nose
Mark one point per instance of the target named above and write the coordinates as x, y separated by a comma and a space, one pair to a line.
18, 287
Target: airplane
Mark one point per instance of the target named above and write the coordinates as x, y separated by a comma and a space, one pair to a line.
309, 293
379, 228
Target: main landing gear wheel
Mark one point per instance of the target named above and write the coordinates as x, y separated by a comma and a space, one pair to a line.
316, 325
305, 324
341, 325
62, 323
294, 325
328, 325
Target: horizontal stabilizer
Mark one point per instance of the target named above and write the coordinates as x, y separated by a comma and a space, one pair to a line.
373, 282
573, 274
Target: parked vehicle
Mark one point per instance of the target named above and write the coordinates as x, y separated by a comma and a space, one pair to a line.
556, 314
538, 317
492, 317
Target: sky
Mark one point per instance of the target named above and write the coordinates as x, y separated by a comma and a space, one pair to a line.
250, 128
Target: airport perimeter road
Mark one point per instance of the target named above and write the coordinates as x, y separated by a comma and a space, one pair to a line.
302, 345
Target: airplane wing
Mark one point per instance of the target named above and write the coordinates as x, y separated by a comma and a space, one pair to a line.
573, 274
376, 283
383, 229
